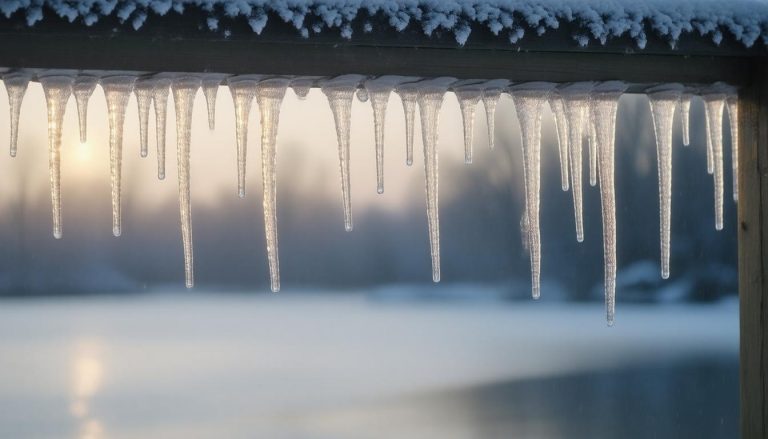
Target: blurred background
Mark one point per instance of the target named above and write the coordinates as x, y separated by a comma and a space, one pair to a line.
100, 339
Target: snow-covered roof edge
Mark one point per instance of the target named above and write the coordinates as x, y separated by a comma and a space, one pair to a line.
590, 21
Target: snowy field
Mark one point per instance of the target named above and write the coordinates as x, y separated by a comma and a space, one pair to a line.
299, 365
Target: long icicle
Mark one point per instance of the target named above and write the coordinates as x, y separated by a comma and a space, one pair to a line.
269, 95
144, 90
561, 125
83, 89
57, 90
604, 105
663, 100
211, 83
160, 101
184, 91
243, 90
431, 93
732, 101
529, 99
468, 93
408, 96
576, 101
685, 116
340, 91
16, 85
714, 103
492, 91
117, 90
379, 90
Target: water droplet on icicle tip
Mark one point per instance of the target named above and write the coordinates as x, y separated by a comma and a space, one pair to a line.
603, 108
211, 83
57, 89
160, 101
243, 90
302, 85
16, 85
714, 103
378, 91
430, 97
529, 98
362, 95
83, 89
144, 89
269, 95
408, 96
117, 90
561, 126
468, 93
576, 101
184, 90
340, 92
685, 116
492, 91
663, 100
732, 104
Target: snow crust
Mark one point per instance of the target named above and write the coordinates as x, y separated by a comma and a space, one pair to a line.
591, 21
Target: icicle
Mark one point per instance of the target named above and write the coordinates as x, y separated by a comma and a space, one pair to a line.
379, 90
576, 101
160, 100
663, 100
184, 91
144, 90
117, 90
243, 90
561, 124
211, 83
492, 91
362, 94
685, 116
83, 89
16, 85
57, 90
529, 99
408, 96
468, 93
714, 102
302, 85
592, 148
710, 162
603, 106
732, 101
270, 95
339, 92
431, 93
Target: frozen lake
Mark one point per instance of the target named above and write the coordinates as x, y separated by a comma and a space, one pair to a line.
298, 365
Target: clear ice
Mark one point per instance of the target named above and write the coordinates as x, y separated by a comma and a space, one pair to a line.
160, 101
732, 102
243, 90
468, 93
117, 90
83, 89
592, 148
714, 103
211, 83
362, 94
144, 89
16, 85
408, 96
340, 92
529, 98
269, 95
184, 91
663, 101
302, 85
378, 91
561, 125
685, 116
57, 89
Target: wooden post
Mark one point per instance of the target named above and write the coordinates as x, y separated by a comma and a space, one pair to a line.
753, 254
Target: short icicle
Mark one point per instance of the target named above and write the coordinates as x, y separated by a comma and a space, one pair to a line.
269, 95
714, 103
732, 102
431, 93
16, 85
117, 90
144, 90
302, 85
492, 91
663, 100
603, 108
83, 89
362, 94
57, 91
685, 116
408, 96
576, 101
211, 83
340, 92
160, 101
561, 125
529, 99
592, 147
378, 90
468, 93
243, 90
184, 91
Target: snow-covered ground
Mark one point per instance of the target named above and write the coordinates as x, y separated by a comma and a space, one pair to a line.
309, 365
